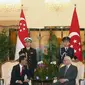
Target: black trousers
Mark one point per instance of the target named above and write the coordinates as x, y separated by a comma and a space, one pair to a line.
22, 84
31, 72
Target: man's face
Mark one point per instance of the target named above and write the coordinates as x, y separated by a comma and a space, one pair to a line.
24, 62
27, 44
66, 43
66, 61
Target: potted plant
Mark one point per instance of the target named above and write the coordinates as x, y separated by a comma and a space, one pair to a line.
4, 45
45, 72
48, 70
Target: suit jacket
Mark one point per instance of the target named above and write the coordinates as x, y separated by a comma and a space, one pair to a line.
15, 74
32, 56
69, 52
71, 74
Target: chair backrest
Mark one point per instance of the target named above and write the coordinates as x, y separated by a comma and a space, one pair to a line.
80, 67
6, 69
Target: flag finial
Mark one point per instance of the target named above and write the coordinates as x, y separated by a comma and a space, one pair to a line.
74, 5
22, 6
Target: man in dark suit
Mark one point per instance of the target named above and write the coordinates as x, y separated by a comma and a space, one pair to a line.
65, 50
31, 55
20, 74
67, 73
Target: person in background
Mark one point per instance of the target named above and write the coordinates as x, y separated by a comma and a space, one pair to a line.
66, 50
31, 55
20, 74
67, 73
46, 57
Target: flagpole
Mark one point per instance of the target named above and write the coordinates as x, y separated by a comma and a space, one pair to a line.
29, 32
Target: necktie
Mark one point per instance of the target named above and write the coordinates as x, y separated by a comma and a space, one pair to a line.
22, 71
66, 70
66, 49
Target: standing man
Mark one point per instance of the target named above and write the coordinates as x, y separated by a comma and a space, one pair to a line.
20, 74
65, 50
67, 73
31, 55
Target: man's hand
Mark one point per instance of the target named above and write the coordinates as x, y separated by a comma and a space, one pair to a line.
19, 81
55, 78
34, 70
63, 80
27, 80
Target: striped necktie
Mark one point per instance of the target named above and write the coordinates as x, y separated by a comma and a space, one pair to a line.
66, 70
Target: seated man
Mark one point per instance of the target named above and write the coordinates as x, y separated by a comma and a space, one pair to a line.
67, 73
20, 74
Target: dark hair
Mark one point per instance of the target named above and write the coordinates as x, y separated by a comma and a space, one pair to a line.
21, 52
21, 58
66, 39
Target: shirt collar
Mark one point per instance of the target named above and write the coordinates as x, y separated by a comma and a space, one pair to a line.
68, 65
28, 48
20, 65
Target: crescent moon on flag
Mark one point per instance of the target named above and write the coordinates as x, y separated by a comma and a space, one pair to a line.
73, 34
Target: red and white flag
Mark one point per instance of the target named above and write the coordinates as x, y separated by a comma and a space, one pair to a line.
22, 33
74, 34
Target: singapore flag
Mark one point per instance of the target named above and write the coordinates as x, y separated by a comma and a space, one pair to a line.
22, 33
